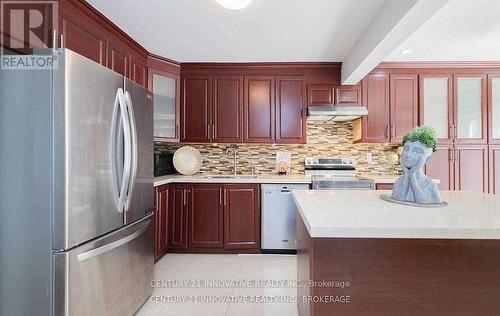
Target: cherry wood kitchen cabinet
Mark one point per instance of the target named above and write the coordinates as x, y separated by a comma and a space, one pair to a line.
177, 217
494, 108
138, 69
348, 95
442, 166
320, 94
118, 58
217, 218
471, 168
227, 124
470, 109
89, 33
81, 34
206, 217
403, 105
375, 126
494, 160
241, 216
161, 201
259, 109
290, 110
436, 105
196, 109
164, 82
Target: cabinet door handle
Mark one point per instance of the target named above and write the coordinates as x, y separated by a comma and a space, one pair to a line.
393, 130
385, 130
457, 155
455, 133
54, 39
451, 154
225, 197
451, 131
184, 196
177, 131
208, 130
213, 131
220, 196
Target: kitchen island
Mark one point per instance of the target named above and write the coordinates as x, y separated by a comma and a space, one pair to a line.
372, 257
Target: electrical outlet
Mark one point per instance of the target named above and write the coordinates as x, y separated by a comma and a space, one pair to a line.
369, 157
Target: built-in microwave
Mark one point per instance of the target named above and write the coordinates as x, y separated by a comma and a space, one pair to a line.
164, 164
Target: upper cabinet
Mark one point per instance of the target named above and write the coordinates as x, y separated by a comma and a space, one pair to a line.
164, 82
320, 95
470, 109
323, 94
290, 110
375, 126
403, 105
89, 34
227, 114
259, 109
494, 108
243, 109
436, 105
348, 95
196, 108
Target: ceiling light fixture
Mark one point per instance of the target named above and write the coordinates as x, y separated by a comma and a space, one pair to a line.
234, 4
405, 51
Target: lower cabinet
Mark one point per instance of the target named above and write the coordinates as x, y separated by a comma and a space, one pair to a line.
177, 217
241, 216
471, 168
214, 217
161, 214
205, 216
460, 167
441, 167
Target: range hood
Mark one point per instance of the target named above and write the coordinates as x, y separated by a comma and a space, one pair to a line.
340, 112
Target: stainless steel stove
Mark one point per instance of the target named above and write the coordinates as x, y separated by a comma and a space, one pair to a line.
335, 173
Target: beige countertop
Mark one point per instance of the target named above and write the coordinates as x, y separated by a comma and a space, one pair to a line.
363, 214
200, 178
262, 178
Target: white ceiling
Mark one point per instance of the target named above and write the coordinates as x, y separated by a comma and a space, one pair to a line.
267, 30
462, 30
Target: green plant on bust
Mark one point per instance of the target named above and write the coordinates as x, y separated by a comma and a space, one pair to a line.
414, 186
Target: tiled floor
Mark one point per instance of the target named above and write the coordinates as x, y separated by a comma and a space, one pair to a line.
223, 267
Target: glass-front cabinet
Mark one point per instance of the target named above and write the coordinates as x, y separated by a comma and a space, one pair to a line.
165, 88
470, 105
436, 107
494, 108
455, 106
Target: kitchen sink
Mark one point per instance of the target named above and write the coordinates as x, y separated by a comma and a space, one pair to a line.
229, 176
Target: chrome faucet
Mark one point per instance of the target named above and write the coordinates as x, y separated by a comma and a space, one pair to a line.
235, 152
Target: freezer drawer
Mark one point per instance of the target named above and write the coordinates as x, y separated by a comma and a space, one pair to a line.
108, 276
279, 214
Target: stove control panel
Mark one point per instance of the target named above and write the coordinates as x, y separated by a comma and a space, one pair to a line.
332, 162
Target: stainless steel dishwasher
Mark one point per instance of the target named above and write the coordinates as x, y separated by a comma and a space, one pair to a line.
279, 214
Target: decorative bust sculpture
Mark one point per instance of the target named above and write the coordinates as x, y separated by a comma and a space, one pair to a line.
414, 186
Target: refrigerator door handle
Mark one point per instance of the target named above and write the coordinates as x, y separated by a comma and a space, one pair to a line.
133, 150
120, 111
115, 244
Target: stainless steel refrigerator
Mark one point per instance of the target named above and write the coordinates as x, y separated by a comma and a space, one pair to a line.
76, 190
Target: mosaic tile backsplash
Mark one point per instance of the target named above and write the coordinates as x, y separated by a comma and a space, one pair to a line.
323, 139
